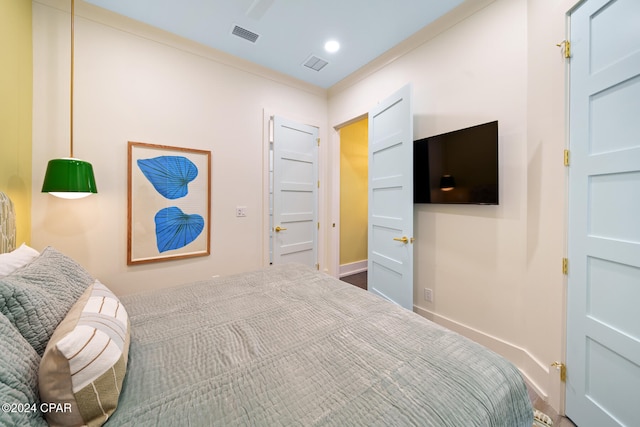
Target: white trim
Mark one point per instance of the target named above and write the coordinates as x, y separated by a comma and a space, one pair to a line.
128, 25
534, 371
353, 268
429, 32
266, 213
334, 174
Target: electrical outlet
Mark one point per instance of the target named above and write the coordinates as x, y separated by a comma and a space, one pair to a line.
428, 294
241, 211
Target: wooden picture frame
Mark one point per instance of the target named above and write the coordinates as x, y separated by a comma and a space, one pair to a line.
169, 203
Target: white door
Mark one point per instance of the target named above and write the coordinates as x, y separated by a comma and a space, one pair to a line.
390, 235
295, 193
603, 318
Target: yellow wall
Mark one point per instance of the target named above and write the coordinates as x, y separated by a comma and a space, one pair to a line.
353, 192
16, 71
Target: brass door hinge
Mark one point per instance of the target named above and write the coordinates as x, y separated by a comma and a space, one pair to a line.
318, 141
565, 266
317, 266
563, 370
566, 157
566, 45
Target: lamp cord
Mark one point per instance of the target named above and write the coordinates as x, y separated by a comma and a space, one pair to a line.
71, 85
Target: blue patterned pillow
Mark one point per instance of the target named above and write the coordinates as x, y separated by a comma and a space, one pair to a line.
36, 297
18, 379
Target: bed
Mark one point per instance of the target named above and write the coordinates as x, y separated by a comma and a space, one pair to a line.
285, 345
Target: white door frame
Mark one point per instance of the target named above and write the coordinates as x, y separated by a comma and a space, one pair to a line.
267, 138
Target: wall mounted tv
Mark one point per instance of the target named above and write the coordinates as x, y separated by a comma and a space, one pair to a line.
459, 167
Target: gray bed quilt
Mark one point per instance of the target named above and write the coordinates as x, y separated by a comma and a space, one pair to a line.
288, 346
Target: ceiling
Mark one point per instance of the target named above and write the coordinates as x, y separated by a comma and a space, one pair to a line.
291, 33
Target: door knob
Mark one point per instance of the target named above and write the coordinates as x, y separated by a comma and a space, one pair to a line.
402, 239
279, 229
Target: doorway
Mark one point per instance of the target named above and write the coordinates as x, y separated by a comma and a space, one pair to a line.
353, 201
389, 199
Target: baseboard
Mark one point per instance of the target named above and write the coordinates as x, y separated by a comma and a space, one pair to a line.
353, 268
533, 371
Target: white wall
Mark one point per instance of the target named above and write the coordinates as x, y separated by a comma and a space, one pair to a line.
134, 83
494, 270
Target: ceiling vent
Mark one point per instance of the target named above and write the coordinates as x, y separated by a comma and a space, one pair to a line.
243, 33
315, 63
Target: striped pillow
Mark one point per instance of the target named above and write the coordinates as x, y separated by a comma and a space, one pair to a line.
85, 361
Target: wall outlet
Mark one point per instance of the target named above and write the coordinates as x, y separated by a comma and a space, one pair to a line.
428, 294
241, 211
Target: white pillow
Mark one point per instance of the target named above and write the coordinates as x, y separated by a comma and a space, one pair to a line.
17, 258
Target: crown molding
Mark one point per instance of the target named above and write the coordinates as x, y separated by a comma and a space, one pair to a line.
128, 25
427, 33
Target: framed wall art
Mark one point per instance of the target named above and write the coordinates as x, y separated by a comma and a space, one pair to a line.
169, 203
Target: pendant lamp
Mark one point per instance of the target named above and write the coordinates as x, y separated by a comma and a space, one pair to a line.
69, 178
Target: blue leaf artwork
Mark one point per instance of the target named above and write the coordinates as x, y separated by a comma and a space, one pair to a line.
176, 229
169, 175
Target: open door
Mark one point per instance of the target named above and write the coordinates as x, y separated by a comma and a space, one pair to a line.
390, 230
603, 321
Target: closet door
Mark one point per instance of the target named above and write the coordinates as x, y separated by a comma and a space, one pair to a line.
603, 321
295, 193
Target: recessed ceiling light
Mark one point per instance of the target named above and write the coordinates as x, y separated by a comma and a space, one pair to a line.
332, 46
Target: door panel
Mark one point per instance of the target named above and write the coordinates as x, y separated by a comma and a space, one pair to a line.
603, 323
390, 260
295, 192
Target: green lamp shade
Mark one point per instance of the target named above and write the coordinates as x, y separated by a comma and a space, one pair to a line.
69, 178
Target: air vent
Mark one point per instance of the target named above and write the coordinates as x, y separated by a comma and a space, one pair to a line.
244, 33
315, 63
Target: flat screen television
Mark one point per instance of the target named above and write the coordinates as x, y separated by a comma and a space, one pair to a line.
459, 167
